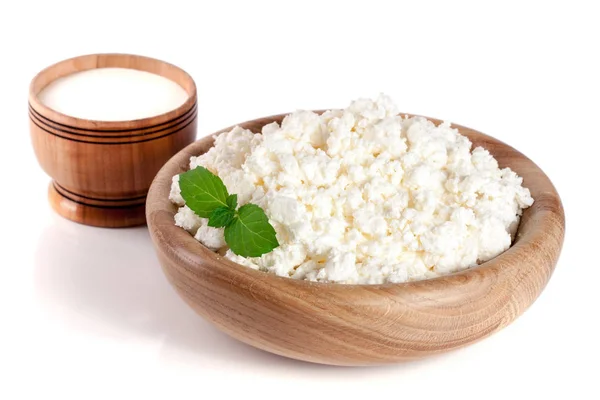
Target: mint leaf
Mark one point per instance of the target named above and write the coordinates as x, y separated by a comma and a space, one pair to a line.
202, 191
232, 201
250, 234
247, 230
221, 217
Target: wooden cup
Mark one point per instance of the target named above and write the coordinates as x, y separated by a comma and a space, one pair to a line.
102, 170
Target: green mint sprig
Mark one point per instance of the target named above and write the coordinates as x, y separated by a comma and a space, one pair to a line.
247, 229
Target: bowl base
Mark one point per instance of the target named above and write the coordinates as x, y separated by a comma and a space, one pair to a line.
117, 213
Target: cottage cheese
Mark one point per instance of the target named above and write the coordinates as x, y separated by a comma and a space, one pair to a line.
363, 195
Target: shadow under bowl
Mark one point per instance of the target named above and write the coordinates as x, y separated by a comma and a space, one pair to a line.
361, 324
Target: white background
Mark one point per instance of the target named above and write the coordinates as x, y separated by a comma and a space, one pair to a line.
86, 313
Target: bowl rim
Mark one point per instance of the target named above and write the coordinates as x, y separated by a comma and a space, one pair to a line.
545, 217
88, 62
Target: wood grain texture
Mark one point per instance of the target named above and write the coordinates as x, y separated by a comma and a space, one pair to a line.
362, 324
102, 170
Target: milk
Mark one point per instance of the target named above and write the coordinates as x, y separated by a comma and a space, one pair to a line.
113, 94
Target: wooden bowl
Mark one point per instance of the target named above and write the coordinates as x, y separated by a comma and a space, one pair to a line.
102, 170
362, 324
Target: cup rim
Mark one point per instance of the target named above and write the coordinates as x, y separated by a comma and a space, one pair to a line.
122, 128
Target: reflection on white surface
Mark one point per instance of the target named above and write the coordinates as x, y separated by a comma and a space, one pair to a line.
109, 282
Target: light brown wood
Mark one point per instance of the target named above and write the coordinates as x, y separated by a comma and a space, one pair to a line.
362, 324
102, 170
